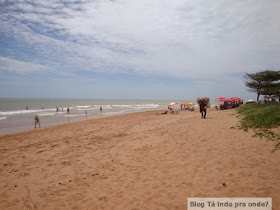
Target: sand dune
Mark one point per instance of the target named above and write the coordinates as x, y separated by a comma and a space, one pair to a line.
136, 161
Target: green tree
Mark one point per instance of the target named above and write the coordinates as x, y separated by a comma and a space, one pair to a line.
263, 82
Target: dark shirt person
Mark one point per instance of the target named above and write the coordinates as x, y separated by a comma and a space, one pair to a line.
203, 109
37, 121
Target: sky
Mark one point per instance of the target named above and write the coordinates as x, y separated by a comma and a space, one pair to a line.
135, 49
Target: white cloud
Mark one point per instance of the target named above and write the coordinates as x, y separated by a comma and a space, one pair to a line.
22, 67
181, 38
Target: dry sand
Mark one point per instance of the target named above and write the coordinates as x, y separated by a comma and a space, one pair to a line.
136, 161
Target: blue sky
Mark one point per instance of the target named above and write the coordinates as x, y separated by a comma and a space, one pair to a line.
132, 49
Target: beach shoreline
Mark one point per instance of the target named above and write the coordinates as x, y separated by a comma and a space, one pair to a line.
16, 117
140, 160
50, 126
18, 114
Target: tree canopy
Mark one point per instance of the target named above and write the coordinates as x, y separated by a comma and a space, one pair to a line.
263, 82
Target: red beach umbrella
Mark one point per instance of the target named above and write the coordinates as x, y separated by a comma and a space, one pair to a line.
236, 99
222, 99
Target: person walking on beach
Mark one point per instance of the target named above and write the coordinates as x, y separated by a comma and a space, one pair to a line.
203, 109
37, 120
68, 110
101, 110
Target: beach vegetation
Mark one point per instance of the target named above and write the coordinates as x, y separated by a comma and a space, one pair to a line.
263, 82
263, 119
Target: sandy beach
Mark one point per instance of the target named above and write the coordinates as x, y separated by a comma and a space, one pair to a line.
136, 161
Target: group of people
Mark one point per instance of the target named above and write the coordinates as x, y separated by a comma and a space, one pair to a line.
68, 110
203, 105
37, 120
229, 105
269, 101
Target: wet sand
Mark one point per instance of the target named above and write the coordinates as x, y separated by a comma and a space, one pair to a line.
136, 161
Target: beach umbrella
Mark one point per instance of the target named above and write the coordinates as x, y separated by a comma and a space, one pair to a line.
191, 104
185, 104
236, 99
188, 104
172, 103
222, 99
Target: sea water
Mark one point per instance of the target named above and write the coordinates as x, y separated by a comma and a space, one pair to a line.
18, 114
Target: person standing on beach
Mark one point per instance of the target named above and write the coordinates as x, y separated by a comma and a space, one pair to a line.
68, 110
203, 109
101, 110
37, 120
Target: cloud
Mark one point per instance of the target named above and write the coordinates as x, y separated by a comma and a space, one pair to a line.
183, 39
147, 36
21, 67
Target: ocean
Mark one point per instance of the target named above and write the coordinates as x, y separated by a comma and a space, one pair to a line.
18, 114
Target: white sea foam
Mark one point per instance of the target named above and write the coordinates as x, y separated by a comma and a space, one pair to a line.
46, 114
147, 106
83, 107
107, 107
3, 118
122, 105
103, 106
19, 112
88, 109
150, 105
70, 107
